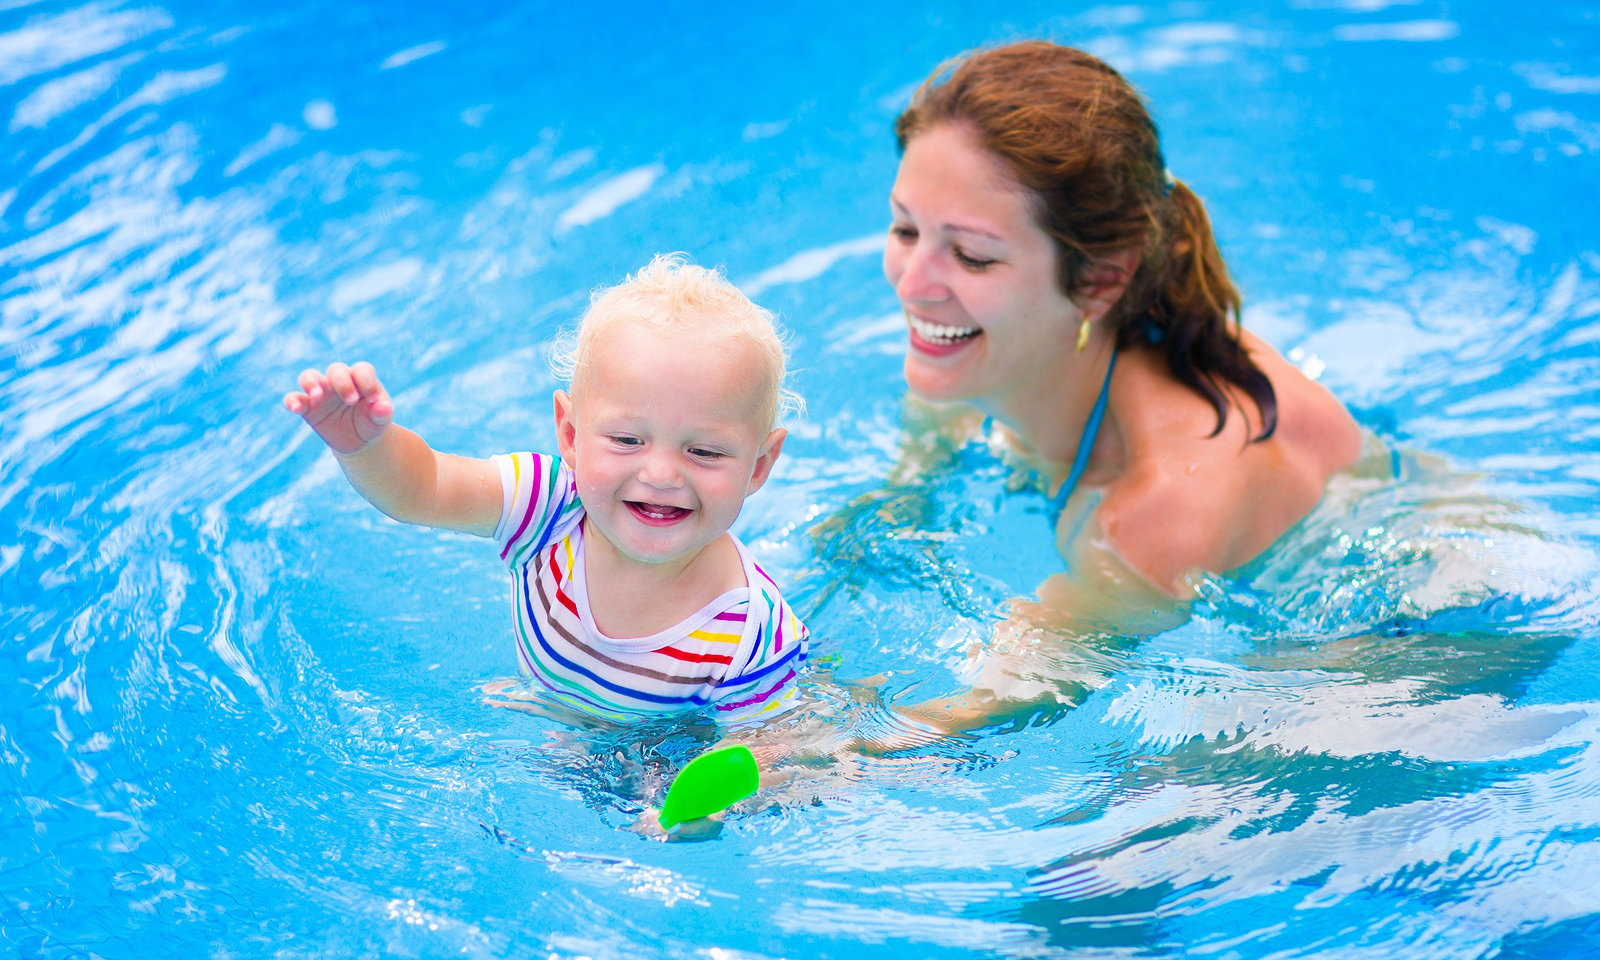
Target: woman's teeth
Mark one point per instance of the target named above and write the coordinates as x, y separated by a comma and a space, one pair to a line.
938, 332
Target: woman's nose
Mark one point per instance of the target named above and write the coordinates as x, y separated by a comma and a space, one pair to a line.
918, 279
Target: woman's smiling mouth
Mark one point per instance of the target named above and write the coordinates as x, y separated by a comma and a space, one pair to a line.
938, 337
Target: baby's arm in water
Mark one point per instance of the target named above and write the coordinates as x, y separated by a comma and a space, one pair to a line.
389, 465
787, 753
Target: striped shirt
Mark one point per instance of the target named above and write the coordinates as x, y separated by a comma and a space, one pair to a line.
739, 653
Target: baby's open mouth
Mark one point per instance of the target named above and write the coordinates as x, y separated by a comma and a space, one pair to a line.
657, 513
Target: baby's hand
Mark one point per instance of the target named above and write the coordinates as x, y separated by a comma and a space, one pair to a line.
648, 825
347, 406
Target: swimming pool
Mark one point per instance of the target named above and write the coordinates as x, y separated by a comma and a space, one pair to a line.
240, 711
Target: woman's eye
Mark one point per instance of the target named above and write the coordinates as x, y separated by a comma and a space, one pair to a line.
970, 262
902, 233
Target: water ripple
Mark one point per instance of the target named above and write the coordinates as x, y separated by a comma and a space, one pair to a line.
243, 713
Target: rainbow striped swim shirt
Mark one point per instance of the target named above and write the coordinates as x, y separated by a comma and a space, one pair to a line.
740, 653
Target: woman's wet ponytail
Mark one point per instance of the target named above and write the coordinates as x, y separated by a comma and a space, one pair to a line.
1193, 312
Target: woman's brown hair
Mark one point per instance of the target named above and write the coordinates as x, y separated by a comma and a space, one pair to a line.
1078, 137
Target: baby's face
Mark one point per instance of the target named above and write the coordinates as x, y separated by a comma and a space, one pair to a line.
666, 436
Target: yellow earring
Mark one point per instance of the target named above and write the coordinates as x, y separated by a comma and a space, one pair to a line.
1083, 334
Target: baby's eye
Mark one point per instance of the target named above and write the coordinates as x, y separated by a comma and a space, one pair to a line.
624, 441
975, 264
703, 453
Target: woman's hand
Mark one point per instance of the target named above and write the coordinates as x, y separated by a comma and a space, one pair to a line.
347, 406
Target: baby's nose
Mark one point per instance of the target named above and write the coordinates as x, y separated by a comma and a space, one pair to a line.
661, 471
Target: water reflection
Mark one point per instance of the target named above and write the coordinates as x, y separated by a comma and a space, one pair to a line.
241, 710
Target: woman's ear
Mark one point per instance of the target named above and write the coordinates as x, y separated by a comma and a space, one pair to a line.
1106, 281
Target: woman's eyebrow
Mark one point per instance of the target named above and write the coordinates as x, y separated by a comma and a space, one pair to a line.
953, 227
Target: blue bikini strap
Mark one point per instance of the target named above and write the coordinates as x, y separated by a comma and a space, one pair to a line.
1091, 431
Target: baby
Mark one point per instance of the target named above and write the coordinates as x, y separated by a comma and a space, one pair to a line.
629, 594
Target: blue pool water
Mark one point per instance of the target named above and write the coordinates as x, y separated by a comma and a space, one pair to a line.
239, 711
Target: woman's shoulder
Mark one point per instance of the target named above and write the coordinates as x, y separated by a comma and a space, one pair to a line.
1312, 423
1188, 501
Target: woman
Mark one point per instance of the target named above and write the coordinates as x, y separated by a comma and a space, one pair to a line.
1066, 290
1056, 279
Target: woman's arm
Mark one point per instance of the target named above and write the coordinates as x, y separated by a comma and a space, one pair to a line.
1050, 651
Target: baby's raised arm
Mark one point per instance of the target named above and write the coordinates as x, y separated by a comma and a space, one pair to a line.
392, 467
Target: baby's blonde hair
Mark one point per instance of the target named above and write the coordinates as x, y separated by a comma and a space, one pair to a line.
670, 294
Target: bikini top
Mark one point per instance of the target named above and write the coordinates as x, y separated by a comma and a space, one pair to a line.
1091, 432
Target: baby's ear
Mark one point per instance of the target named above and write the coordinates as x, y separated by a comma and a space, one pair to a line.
566, 427
768, 457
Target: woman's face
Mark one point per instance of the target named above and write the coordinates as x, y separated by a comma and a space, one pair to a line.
975, 274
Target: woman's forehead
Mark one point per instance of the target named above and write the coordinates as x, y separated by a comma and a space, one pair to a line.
945, 172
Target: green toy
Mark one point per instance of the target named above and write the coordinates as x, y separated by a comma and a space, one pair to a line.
715, 780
